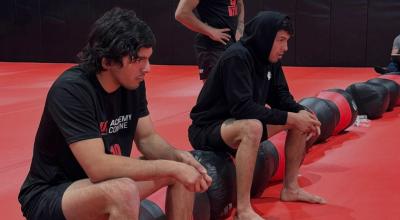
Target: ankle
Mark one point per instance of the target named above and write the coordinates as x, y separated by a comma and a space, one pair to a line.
290, 185
249, 214
243, 209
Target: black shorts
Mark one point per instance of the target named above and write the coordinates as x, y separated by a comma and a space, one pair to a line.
208, 138
47, 205
206, 59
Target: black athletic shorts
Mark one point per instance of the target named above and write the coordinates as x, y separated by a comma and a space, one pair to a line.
206, 59
209, 138
47, 205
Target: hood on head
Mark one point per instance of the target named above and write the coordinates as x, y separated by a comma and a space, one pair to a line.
259, 34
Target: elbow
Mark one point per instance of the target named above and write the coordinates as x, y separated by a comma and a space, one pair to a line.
94, 179
178, 16
181, 15
94, 174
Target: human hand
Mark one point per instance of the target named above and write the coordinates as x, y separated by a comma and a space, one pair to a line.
193, 180
313, 134
304, 121
187, 158
220, 35
317, 131
238, 35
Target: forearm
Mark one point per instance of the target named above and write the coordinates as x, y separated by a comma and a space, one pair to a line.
189, 20
291, 119
240, 26
100, 166
112, 166
289, 104
252, 110
155, 147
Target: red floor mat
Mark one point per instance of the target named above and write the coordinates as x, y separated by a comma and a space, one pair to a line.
357, 172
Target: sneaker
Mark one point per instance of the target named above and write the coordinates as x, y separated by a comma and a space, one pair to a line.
380, 70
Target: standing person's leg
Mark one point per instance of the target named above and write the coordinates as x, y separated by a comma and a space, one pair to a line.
294, 153
206, 59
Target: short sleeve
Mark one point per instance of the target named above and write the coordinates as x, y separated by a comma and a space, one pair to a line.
73, 110
142, 108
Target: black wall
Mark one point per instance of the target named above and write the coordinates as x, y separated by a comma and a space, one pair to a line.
328, 32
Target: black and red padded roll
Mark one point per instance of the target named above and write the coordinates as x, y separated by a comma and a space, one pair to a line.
149, 210
279, 141
267, 163
393, 88
371, 99
221, 193
326, 112
394, 77
345, 104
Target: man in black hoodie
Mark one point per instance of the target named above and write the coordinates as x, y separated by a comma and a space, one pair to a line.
231, 113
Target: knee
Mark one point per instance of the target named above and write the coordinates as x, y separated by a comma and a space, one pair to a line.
124, 191
296, 134
252, 129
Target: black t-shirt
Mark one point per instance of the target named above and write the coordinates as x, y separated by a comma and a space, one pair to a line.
218, 14
78, 108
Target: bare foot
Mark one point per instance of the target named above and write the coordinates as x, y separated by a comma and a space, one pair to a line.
300, 195
248, 215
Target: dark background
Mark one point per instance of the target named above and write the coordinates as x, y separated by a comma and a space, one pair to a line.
328, 32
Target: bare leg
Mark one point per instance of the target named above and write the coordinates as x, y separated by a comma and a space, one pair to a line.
112, 199
179, 204
120, 199
294, 152
179, 201
245, 135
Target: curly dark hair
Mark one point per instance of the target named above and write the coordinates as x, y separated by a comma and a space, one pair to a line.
116, 34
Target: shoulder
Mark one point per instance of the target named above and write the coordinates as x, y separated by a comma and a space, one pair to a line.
74, 81
237, 51
75, 74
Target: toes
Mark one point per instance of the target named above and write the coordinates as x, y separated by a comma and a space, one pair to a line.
320, 200
301, 196
314, 199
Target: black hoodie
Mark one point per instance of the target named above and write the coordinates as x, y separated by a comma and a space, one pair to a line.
243, 80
